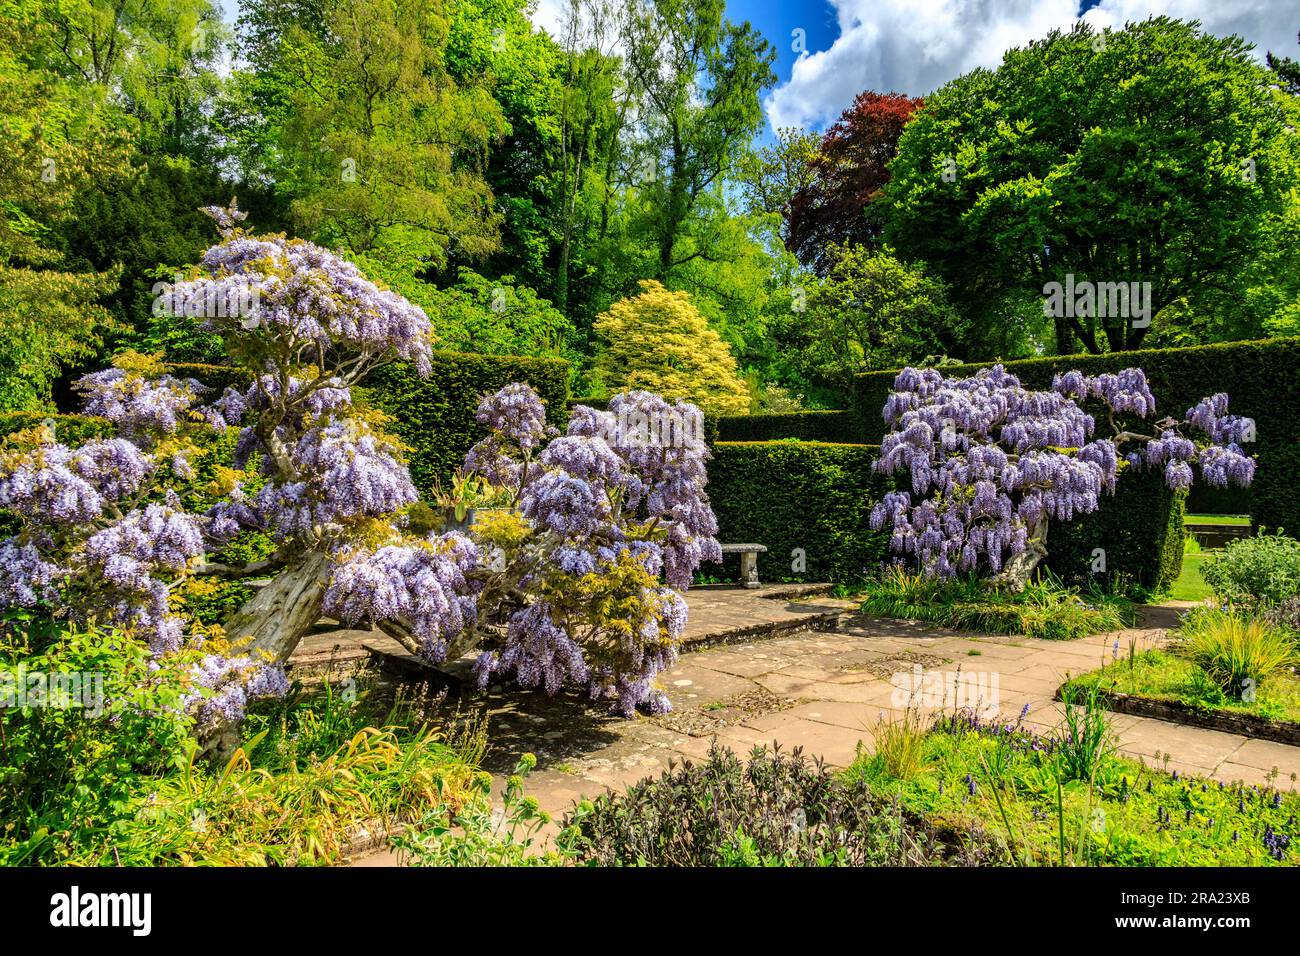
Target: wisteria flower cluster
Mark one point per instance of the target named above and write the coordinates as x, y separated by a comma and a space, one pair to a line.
566, 586
104, 540
572, 584
991, 462
300, 296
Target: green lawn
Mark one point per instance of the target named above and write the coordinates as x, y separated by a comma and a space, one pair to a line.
1217, 519
1190, 586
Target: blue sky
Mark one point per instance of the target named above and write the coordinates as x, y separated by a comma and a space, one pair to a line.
778, 20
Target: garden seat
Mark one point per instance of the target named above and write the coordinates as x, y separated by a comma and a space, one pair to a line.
748, 561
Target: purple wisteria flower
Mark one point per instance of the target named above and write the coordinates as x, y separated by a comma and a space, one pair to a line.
991, 463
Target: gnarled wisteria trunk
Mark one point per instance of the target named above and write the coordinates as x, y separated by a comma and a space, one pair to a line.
274, 620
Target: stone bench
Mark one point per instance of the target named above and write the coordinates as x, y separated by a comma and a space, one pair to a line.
748, 561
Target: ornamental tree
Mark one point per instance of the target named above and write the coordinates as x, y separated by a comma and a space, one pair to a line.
658, 340
562, 589
992, 463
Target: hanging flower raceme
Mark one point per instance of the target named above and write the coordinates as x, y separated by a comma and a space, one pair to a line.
425, 585
991, 462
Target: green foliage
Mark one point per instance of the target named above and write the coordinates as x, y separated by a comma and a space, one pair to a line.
216, 377
49, 320
820, 426
70, 769
363, 127
1085, 741
1167, 676
1256, 375
658, 341
1265, 568
1148, 163
1139, 529
478, 834
999, 777
493, 317
1236, 651
244, 815
898, 743
434, 416
124, 787
872, 311
774, 810
808, 502
1044, 609
69, 429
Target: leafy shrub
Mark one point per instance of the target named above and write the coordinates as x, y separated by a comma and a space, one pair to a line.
1284, 614
659, 341
776, 809
477, 835
1265, 568
1236, 651
70, 768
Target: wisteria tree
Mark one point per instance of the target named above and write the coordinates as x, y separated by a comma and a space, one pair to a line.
992, 463
573, 585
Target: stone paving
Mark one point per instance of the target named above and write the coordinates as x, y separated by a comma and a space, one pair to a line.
825, 690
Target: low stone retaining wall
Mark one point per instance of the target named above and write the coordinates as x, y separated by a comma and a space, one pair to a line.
1247, 725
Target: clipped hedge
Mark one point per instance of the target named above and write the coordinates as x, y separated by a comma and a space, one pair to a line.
1262, 378
1139, 529
817, 496
814, 496
837, 427
435, 415
215, 377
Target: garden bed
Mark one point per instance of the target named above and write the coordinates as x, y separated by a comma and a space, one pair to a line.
1174, 711
1067, 799
1162, 685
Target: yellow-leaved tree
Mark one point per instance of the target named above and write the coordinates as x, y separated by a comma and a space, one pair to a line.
658, 341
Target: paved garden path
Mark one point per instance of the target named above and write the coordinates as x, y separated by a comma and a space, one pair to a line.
824, 691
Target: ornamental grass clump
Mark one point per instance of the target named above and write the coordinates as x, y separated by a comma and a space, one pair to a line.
1043, 608
1236, 651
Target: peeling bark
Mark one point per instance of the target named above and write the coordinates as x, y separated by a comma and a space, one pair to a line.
1020, 568
270, 625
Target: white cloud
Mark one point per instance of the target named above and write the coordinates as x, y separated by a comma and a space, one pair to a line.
551, 15
915, 46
